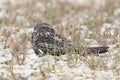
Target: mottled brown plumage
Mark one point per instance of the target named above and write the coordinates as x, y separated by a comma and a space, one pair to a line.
45, 40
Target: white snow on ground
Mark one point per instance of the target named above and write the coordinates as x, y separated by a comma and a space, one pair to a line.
5, 55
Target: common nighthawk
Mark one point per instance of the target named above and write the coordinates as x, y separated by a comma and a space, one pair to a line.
45, 40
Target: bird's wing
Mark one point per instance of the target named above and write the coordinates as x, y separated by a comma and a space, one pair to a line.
97, 50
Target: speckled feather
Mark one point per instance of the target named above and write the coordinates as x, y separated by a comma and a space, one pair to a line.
44, 40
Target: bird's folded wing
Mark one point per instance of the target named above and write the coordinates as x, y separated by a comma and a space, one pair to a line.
96, 50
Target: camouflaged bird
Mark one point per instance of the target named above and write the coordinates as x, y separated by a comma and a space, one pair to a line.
45, 40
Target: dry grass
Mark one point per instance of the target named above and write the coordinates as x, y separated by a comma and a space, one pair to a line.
18, 46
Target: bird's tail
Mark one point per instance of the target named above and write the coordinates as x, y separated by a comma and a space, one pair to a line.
98, 50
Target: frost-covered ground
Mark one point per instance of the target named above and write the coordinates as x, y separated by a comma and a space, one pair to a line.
89, 22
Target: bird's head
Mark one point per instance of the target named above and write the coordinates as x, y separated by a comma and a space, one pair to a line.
43, 27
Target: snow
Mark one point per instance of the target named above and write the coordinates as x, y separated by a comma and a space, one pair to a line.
5, 55
3, 14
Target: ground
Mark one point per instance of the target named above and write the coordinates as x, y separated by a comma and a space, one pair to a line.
88, 22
